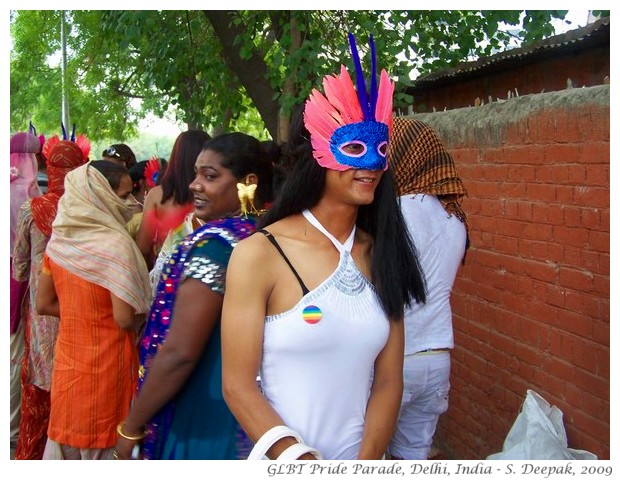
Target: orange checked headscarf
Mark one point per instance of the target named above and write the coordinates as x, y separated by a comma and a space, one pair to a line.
423, 165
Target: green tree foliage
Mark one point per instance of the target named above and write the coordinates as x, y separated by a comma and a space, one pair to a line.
222, 70
145, 146
95, 103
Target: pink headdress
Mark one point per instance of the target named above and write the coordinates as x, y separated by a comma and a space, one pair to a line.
23, 147
349, 128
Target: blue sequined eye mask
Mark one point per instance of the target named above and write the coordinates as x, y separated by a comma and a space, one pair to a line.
361, 145
349, 128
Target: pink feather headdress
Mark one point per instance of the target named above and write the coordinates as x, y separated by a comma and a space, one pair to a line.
343, 106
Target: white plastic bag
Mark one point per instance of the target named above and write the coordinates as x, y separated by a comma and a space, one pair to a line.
538, 434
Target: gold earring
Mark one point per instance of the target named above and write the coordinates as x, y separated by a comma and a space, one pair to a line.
246, 197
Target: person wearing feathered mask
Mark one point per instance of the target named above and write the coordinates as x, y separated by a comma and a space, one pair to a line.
315, 302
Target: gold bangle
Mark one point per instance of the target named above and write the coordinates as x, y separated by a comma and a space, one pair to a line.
119, 430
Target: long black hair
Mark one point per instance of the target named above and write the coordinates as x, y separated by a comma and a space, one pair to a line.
244, 154
179, 171
395, 268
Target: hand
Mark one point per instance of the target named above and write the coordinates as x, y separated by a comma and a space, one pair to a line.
307, 456
124, 447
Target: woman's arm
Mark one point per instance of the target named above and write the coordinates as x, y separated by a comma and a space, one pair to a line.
243, 318
385, 397
124, 314
197, 310
46, 300
145, 237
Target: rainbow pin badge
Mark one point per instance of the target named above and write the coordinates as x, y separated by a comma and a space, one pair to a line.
312, 314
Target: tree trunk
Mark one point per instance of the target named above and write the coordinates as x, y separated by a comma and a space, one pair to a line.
252, 73
284, 118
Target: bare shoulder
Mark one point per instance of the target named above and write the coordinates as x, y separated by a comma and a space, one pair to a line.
250, 268
153, 198
256, 250
288, 228
251, 249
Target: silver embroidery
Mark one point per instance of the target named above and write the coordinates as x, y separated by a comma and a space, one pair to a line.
350, 281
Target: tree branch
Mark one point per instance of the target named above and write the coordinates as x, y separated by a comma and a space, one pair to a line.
252, 73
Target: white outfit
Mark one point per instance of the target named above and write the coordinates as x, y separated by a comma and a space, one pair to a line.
440, 241
318, 376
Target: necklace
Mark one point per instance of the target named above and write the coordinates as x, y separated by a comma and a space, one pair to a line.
198, 221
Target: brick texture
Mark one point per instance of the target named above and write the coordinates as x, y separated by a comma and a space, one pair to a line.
531, 303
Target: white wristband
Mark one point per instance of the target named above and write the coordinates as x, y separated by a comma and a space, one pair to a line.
269, 438
297, 450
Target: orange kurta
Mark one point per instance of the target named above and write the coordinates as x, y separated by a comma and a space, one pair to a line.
95, 365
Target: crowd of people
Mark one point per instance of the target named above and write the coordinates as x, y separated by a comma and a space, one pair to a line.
244, 300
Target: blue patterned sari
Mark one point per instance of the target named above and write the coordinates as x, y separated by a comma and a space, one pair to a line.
196, 424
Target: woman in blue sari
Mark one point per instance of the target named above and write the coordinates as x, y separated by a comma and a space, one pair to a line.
179, 411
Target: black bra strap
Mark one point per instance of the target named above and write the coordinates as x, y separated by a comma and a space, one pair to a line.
271, 238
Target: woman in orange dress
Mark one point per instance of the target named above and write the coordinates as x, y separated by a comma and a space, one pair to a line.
95, 279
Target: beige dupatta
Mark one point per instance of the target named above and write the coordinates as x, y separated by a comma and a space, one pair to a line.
90, 238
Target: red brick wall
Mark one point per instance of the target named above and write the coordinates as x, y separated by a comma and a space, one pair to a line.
531, 303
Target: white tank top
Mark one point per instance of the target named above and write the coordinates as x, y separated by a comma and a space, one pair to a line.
318, 357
